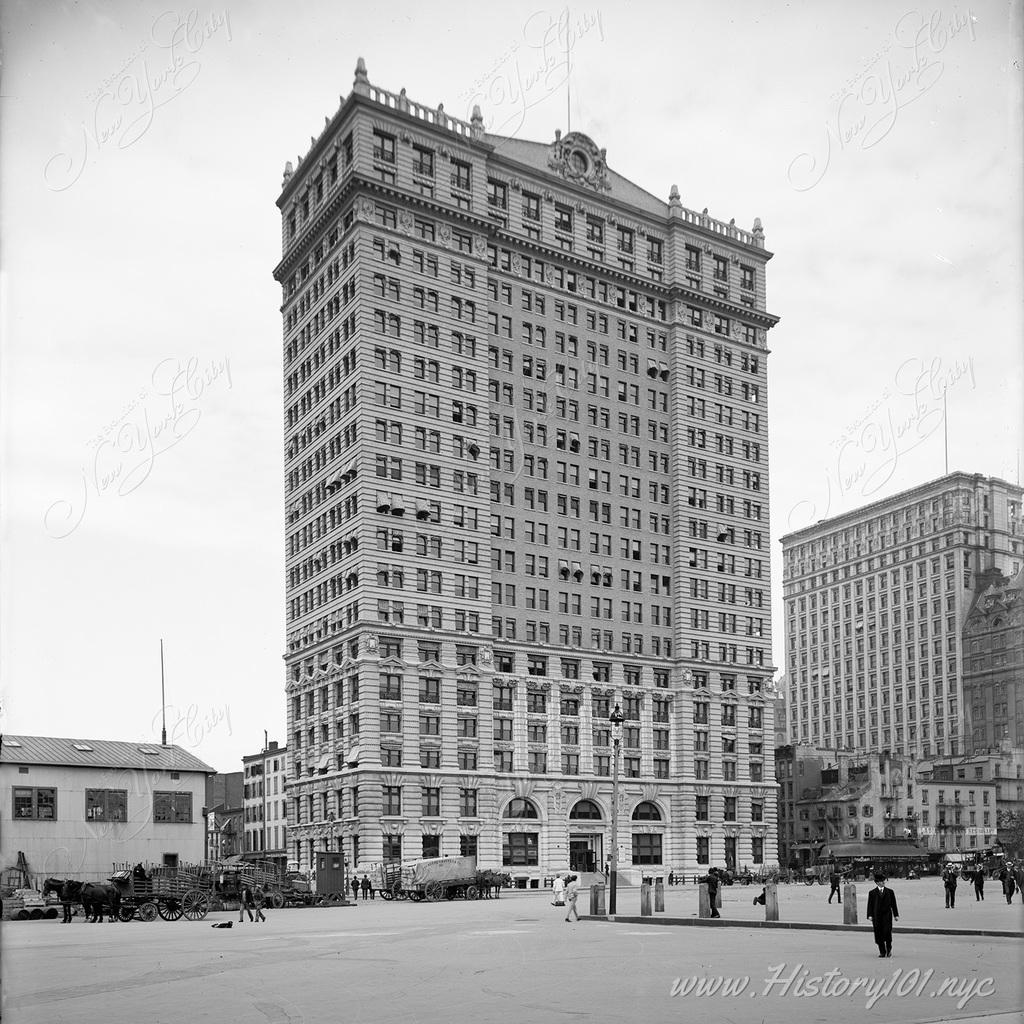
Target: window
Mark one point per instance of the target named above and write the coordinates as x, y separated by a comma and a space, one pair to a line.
703, 843
392, 848
521, 808
106, 805
172, 807
646, 811
467, 803
467, 846
431, 802
647, 848
392, 800
519, 849
39, 803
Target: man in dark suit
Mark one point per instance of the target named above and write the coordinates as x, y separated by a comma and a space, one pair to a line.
979, 883
882, 911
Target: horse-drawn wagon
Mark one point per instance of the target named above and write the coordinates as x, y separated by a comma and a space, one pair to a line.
432, 879
168, 892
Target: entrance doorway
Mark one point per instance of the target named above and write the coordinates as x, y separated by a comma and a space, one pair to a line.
584, 853
730, 853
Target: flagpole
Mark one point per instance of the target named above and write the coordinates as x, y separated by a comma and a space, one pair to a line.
945, 428
163, 699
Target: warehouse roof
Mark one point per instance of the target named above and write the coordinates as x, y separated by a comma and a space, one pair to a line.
52, 750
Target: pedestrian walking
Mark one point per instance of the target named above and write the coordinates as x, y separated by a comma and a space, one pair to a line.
882, 911
355, 889
558, 892
572, 891
367, 889
671, 878
979, 884
245, 904
1009, 884
949, 881
65, 901
834, 879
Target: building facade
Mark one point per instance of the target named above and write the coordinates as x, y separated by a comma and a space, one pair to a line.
875, 604
993, 679
831, 798
962, 800
78, 807
266, 814
527, 482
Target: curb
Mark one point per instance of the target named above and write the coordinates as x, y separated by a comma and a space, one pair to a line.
696, 922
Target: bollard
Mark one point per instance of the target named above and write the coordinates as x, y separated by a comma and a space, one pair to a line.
645, 898
703, 900
659, 896
597, 901
849, 903
718, 897
771, 902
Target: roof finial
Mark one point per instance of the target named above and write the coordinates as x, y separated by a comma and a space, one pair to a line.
673, 196
758, 232
288, 172
361, 83
477, 122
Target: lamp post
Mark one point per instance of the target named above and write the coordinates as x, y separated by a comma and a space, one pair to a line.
616, 719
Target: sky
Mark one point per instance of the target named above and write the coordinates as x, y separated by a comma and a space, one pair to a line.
141, 153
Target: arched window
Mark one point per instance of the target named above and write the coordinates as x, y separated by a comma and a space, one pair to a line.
585, 810
646, 811
519, 808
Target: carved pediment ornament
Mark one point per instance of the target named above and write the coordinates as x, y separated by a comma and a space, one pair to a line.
577, 159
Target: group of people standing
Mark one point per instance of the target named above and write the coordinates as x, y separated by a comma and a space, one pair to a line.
976, 875
365, 886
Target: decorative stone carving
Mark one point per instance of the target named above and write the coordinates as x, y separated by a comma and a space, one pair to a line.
649, 792
523, 788
602, 691
405, 222
762, 336
517, 263
365, 209
516, 185
479, 247
486, 656
589, 791
289, 170
571, 688
577, 159
370, 642
549, 196
433, 827
405, 137
556, 799
538, 685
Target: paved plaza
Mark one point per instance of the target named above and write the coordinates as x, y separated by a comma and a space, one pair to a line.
513, 959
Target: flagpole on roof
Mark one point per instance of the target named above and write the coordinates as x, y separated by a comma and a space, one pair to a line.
163, 699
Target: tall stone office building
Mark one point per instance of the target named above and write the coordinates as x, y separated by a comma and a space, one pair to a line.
527, 481
876, 602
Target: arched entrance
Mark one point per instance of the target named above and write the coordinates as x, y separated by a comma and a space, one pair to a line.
585, 847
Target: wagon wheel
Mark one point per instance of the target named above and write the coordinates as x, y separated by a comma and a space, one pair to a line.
472, 892
147, 911
386, 894
126, 912
276, 900
434, 891
170, 909
195, 904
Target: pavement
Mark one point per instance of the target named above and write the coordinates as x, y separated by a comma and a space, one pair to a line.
514, 958
922, 904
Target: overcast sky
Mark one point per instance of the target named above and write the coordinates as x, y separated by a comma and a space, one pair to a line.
142, 152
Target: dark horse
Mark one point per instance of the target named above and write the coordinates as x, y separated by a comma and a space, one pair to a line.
96, 898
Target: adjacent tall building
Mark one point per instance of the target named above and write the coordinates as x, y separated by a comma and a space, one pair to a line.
876, 602
527, 482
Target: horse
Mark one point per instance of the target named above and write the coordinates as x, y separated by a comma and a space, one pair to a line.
53, 885
96, 898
